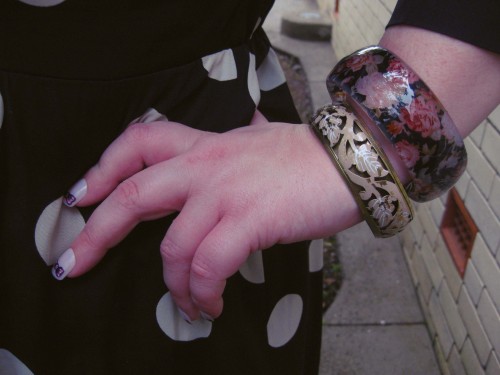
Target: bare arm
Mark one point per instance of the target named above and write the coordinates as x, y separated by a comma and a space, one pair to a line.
252, 187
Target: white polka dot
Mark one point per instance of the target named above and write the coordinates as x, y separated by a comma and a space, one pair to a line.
270, 73
316, 255
221, 66
151, 115
284, 320
253, 81
56, 229
1, 110
43, 3
11, 365
253, 269
174, 326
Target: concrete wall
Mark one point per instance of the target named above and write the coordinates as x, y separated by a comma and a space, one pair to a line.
463, 314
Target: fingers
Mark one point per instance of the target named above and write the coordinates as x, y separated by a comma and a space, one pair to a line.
139, 198
197, 281
178, 248
219, 257
217, 185
141, 145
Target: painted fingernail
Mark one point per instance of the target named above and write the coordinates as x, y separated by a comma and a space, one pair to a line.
185, 316
206, 316
76, 193
64, 265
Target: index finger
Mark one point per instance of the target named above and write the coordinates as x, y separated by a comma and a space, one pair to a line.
140, 146
139, 198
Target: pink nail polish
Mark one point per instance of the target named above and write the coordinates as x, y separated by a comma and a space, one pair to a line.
76, 193
64, 265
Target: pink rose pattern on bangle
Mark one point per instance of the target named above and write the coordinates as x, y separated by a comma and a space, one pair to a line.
408, 114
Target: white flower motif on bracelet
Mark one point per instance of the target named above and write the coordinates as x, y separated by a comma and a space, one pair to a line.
330, 126
383, 208
374, 185
367, 161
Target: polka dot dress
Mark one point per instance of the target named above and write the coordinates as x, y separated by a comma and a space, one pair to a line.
120, 318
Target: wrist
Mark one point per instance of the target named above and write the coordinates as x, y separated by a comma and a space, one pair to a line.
365, 168
341, 208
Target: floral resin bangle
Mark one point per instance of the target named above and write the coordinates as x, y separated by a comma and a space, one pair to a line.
407, 113
370, 177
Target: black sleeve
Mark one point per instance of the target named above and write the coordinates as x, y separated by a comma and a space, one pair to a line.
475, 22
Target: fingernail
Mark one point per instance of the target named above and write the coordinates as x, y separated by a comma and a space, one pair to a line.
206, 316
64, 265
76, 193
185, 316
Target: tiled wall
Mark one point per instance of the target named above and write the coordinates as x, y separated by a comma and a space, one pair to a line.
358, 23
463, 315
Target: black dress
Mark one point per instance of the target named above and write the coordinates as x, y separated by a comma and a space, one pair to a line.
476, 23
73, 75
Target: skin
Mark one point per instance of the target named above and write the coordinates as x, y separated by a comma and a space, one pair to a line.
253, 187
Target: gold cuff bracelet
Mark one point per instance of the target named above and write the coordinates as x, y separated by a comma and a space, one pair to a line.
380, 195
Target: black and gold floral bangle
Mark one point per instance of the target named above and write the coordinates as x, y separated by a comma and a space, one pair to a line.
407, 113
366, 169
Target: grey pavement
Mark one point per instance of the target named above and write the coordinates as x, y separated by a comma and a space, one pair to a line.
375, 325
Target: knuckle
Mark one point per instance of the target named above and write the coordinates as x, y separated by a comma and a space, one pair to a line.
88, 240
171, 252
127, 194
92, 244
138, 133
202, 269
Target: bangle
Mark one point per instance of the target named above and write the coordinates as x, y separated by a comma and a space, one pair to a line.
407, 113
366, 169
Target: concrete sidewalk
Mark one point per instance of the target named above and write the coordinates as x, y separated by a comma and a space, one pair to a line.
375, 325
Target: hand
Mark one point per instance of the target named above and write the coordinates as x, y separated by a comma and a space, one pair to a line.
235, 192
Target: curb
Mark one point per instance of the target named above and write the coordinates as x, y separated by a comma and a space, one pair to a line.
306, 25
